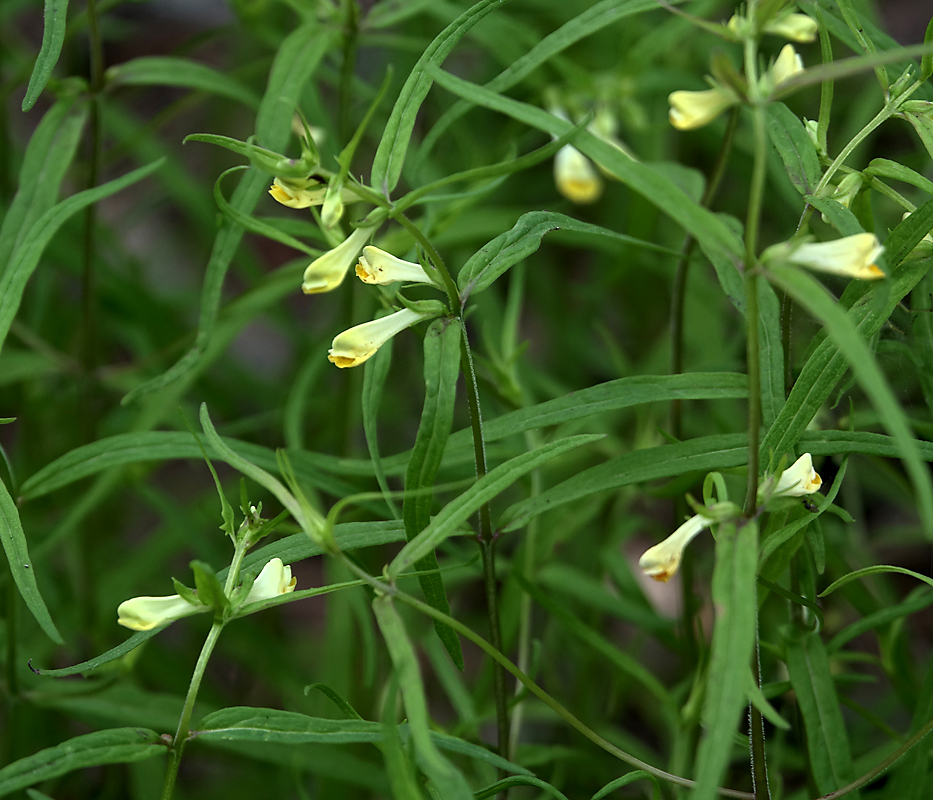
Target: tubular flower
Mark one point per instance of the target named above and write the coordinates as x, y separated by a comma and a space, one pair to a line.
355, 345
327, 272
146, 613
851, 256
796, 27
382, 268
663, 560
300, 194
575, 176
798, 479
691, 110
788, 64
274, 580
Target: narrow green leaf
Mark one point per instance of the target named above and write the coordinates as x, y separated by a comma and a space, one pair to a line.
885, 168
732, 648
873, 570
244, 723
458, 510
296, 60
17, 554
253, 224
53, 36
25, 258
702, 454
507, 783
811, 295
441, 371
627, 664
447, 780
587, 22
210, 592
827, 742
115, 746
399, 767
610, 396
390, 154
826, 366
710, 231
182, 72
625, 780
505, 251
909, 779
375, 372
794, 146
917, 600
50, 151
926, 63
772, 353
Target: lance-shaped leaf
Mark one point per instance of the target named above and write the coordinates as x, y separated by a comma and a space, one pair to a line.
441, 371
53, 36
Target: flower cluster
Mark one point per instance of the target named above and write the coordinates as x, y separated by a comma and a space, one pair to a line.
146, 613
663, 560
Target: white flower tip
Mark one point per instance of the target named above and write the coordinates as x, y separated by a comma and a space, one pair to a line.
691, 110
146, 613
274, 580
663, 560
798, 479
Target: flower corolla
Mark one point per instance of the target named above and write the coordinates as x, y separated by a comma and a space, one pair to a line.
275, 579
691, 110
851, 256
355, 345
146, 613
382, 268
663, 560
327, 272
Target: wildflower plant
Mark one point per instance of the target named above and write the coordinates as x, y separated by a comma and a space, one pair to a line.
479, 301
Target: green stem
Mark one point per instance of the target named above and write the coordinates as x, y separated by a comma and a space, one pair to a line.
184, 721
181, 735
887, 111
679, 289
486, 538
753, 364
532, 687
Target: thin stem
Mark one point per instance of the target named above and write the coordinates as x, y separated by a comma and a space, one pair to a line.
887, 111
679, 289
181, 735
486, 538
753, 364
347, 69
533, 687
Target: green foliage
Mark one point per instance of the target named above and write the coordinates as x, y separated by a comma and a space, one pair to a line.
600, 317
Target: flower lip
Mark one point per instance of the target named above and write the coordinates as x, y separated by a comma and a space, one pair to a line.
798, 479
298, 197
663, 560
788, 64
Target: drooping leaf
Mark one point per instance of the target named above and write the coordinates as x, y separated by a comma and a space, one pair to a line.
53, 37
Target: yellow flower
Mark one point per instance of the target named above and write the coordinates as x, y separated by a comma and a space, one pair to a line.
796, 27
146, 613
382, 268
851, 256
691, 110
663, 560
798, 479
787, 64
575, 176
298, 194
274, 580
327, 272
355, 345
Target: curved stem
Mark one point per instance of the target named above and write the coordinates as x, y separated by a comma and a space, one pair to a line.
181, 735
532, 687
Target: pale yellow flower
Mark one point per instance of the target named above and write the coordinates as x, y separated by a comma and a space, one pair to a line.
146, 613
852, 256
798, 479
328, 271
382, 268
796, 27
691, 110
575, 176
663, 560
787, 64
298, 194
355, 345
274, 580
